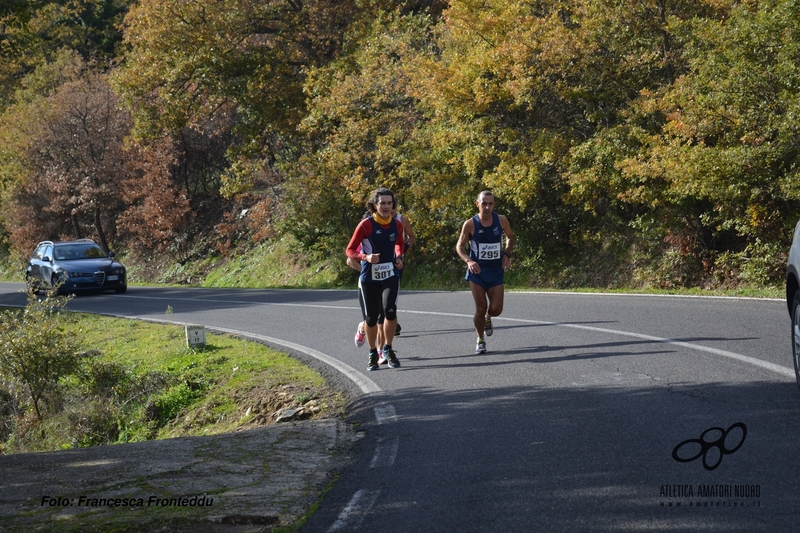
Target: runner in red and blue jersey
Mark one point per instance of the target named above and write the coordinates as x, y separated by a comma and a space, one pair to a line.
380, 238
408, 239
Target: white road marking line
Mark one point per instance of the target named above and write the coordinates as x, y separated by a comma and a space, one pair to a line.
789, 372
385, 453
782, 370
778, 369
366, 385
385, 414
353, 514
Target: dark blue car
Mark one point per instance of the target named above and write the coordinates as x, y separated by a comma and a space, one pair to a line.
75, 266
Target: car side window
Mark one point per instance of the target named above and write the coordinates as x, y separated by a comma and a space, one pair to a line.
38, 253
48, 252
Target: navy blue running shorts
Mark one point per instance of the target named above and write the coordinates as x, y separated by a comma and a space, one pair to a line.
488, 278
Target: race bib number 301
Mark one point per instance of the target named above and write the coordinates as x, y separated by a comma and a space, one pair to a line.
382, 271
488, 251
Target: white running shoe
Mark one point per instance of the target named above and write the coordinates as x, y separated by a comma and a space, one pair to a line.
480, 346
359, 338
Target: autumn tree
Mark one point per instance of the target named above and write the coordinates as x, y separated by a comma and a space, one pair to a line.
519, 89
20, 124
78, 157
727, 155
158, 218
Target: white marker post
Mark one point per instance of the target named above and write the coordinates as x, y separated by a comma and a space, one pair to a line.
195, 336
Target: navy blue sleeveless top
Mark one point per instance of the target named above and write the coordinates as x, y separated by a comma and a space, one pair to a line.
486, 244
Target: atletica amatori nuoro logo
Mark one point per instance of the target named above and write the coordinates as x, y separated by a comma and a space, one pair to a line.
727, 442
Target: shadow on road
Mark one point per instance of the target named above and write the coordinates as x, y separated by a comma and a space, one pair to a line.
582, 459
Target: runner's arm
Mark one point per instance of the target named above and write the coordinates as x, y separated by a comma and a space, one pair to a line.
410, 238
352, 251
399, 245
467, 230
507, 252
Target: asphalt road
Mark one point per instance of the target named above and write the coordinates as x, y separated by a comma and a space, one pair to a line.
571, 422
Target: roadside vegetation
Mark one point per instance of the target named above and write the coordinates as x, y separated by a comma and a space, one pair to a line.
272, 266
75, 380
633, 145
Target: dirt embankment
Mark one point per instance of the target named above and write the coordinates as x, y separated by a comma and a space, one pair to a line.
250, 480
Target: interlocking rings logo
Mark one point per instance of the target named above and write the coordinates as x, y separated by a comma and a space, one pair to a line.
707, 445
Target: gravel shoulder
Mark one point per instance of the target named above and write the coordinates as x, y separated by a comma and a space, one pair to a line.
249, 481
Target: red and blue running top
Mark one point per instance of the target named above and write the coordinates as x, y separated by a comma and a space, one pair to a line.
375, 238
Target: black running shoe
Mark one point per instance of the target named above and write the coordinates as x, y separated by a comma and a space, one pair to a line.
373, 361
397, 329
393, 361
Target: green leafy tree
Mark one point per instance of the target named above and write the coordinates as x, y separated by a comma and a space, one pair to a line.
34, 32
210, 63
534, 99
727, 156
360, 128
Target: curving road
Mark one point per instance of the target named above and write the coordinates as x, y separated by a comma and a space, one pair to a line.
572, 421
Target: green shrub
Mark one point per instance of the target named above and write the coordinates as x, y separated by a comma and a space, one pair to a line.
166, 406
35, 351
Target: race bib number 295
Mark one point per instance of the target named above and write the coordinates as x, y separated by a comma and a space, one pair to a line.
382, 271
488, 251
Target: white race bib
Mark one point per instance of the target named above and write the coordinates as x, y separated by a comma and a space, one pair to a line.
382, 271
488, 251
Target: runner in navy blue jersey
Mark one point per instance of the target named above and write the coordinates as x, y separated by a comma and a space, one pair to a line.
480, 245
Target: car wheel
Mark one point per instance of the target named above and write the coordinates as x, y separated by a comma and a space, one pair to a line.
796, 336
54, 281
121, 290
33, 285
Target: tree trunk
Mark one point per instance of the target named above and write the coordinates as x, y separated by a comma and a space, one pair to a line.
76, 226
100, 233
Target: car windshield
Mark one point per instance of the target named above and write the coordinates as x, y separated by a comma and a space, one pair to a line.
78, 251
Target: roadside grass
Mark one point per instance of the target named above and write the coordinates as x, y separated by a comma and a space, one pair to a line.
280, 263
139, 381
275, 264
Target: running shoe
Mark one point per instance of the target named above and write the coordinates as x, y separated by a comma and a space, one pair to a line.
397, 329
381, 358
373, 361
359, 338
393, 361
487, 329
480, 346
